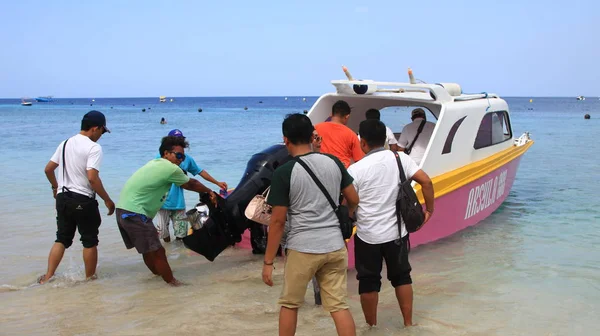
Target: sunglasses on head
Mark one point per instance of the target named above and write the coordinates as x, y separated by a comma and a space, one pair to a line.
179, 156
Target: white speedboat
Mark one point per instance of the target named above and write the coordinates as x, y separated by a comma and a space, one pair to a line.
472, 155
580, 98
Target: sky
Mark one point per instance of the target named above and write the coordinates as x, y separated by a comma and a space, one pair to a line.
183, 48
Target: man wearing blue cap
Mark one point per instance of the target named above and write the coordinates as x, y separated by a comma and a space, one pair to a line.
75, 193
174, 207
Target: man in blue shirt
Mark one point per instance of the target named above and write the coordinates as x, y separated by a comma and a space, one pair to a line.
174, 207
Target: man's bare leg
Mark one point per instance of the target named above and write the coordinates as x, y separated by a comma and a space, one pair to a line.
161, 265
149, 263
56, 254
344, 323
368, 302
288, 319
404, 294
90, 260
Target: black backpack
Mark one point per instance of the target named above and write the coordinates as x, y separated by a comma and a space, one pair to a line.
408, 207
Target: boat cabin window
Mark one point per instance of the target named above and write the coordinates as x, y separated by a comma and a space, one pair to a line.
448, 144
494, 129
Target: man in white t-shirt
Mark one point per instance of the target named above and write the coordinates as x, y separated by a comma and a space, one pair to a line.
75, 190
378, 236
409, 134
391, 142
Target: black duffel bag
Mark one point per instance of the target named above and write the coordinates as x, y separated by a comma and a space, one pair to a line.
408, 208
215, 235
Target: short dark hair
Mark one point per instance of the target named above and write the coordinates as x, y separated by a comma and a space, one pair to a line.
373, 131
87, 125
298, 129
340, 108
167, 143
373, 114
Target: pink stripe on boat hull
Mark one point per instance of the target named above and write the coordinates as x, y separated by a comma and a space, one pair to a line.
457, 210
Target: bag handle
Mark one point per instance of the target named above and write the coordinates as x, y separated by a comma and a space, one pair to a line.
319, 184
265, 193
409, 148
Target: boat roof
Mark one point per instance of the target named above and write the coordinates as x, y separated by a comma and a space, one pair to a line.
440, 93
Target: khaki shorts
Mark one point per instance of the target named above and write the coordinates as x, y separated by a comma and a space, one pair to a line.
330, 269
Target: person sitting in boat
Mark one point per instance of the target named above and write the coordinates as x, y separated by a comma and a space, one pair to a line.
378, 234
163, 121
173, 208
338, 139
415, 136
391, 142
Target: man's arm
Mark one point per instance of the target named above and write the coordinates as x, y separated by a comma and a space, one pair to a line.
205, 175
428, 194
395, 147
49, 171
351, 197
98, 187
276, 227
195, 185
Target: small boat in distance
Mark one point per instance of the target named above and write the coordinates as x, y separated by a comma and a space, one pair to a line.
580, 98
25, 102
46, 99
162, 99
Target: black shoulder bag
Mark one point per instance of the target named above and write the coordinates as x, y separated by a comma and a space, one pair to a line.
408, 149
408, 207
341, 211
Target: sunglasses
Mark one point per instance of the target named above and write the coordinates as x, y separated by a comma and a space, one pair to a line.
179, 156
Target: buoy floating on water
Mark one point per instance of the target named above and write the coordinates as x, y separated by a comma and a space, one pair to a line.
199, 110
587, 116
285, 98
245, 108
143, 110
531, 100
303, 99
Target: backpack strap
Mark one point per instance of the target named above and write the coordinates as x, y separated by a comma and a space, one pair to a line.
64, 164
410, 147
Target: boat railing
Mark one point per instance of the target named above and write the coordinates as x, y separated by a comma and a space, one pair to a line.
439, 92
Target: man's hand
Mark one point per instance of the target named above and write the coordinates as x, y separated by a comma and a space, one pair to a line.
267, 274
110, 205
222, 185
427, 216
54, 193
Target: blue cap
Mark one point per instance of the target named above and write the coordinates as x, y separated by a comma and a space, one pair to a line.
95, 118
176, 133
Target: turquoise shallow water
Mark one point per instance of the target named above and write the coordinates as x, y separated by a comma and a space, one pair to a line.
532, 268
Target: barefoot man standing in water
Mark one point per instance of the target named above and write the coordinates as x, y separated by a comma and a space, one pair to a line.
75, 192
143, 195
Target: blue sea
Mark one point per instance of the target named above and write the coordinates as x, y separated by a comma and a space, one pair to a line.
531, 268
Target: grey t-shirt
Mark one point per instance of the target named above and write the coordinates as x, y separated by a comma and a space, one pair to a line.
313, 225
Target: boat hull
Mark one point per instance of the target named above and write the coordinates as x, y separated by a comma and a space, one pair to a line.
456, 210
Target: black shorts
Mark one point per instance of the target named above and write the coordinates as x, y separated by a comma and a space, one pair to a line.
137, 231
369, 263
77, 212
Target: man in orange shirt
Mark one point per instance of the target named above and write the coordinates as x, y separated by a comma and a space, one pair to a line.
338, 139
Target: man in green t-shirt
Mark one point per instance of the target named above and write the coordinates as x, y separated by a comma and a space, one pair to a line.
143, 195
